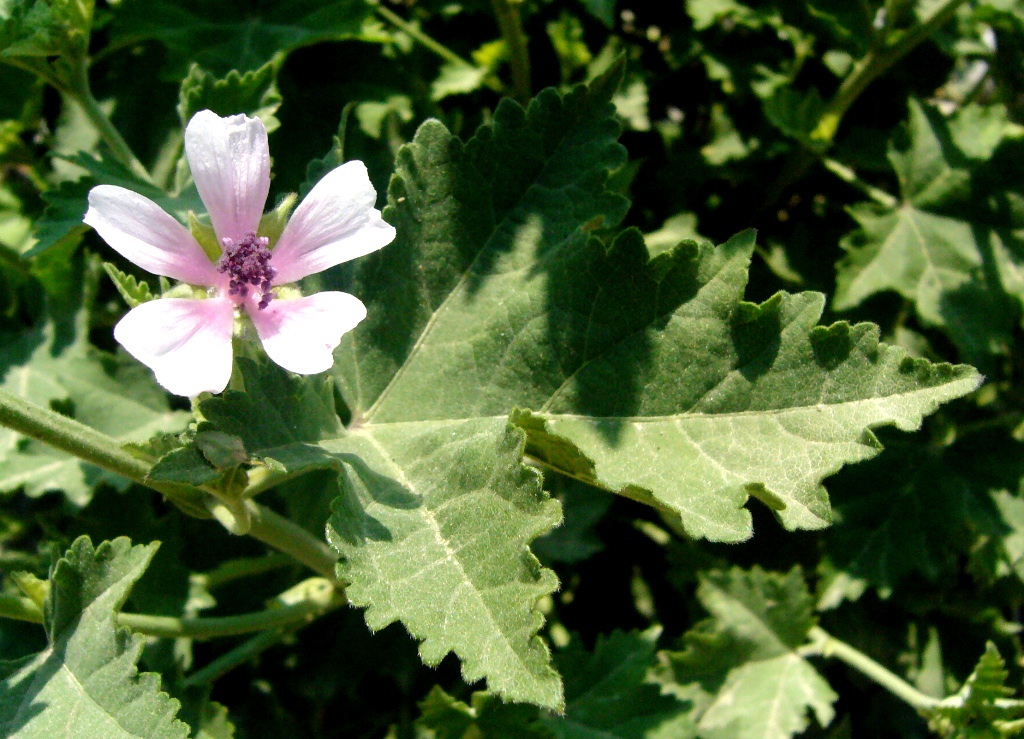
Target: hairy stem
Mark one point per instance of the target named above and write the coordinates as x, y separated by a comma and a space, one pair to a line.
103, 451
511, 25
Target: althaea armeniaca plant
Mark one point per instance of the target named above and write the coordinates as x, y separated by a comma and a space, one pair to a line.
187, 341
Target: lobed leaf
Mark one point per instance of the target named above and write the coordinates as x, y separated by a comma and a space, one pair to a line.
741, 668
949, 245
85, 683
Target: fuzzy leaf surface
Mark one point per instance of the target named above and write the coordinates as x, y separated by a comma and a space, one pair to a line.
433, 523
85, 684
649, 377
740, 667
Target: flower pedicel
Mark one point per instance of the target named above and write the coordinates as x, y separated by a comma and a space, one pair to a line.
187, 341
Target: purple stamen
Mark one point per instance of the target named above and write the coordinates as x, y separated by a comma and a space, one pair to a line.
248, 263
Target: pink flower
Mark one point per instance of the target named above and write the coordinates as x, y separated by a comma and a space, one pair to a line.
187, 341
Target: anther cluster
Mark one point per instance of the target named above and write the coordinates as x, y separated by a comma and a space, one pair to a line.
248, 263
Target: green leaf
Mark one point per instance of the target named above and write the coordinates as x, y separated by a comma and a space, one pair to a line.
608, 694
603, 10
651, 378
45, 28
135, 292
444, 717
221, 35
917, 509
85, 683
457, 543
512, 304
67, 203
741, 668
944, 247
980, 710
583, 507
253, 93
112, 394
457, 78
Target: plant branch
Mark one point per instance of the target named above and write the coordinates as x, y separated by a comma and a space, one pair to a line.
511, 25
90, 445
416, 33
874, 64
230, 660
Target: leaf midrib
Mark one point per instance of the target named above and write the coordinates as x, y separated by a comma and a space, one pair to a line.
676, 417
470, 269
428, 514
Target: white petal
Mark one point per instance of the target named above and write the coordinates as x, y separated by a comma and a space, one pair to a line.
187, 343
143, 233
301, 335
335, 223
230, 161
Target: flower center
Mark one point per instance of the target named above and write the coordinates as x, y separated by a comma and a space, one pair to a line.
248, 263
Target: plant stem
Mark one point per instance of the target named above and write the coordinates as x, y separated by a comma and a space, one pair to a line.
846, 174
235, 569
81, 92
824, 644
875, 63
90, 445
414, 32
511, 25
288, 537
72, 437
871, 66
281, 617
230, 660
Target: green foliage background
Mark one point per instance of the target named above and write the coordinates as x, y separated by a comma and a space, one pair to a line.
602, 461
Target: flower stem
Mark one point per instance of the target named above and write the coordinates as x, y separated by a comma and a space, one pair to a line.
92, 446
511, 25
824, 644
